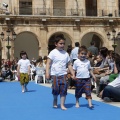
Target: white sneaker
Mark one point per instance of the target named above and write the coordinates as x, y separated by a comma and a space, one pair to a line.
23, 91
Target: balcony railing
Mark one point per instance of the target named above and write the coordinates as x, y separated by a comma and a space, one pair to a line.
48, 11
63, 12
31, 11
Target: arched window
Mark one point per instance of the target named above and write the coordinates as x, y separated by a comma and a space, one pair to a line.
25, 7
91, 7
59, 7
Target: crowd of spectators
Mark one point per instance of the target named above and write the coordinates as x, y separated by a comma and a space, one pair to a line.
8, 69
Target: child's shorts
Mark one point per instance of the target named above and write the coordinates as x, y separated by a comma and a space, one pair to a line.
59, 85
24, 78
83, 85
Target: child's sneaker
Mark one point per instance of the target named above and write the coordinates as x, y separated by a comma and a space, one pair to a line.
23, 91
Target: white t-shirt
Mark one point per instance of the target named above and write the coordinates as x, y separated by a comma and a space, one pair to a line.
116, 82
82, 68
59, 62
24, 65
40, 70
74, 53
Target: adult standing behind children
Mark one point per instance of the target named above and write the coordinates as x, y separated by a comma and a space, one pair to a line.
58, 60
73, 57
74, 52
23, 70
83, 82
93, 49
69, 49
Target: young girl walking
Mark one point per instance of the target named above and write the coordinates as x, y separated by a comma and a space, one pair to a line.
23, 70
57, 63
83, 83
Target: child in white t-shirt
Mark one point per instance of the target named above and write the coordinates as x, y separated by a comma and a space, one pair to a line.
23, 70
83, 83
58, 61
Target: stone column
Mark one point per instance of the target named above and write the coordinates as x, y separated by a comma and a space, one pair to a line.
44, 45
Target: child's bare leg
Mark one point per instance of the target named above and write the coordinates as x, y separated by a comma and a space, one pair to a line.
55, 101
23, 88
90, 103
62, 98
77, 103
26, 87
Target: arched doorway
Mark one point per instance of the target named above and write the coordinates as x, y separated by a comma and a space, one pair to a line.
89, 37
51, 42
28, 42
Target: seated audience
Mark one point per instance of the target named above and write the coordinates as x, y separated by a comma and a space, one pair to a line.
105, 79
14, 69
33, 68
112, 91
89, 57
103, 66
45, 59
40, 70
5, 72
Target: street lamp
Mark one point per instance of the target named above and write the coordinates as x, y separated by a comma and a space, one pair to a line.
8, 39
114, 38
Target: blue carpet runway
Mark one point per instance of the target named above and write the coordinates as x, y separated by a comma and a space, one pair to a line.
36, 104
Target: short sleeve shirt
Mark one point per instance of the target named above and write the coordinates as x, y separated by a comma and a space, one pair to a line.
59, 58
116, 82
74, 53
82, 68
24, 65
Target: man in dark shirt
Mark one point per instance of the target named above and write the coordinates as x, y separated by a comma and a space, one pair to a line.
93, 49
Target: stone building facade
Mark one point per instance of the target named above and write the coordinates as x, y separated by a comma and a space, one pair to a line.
37, 22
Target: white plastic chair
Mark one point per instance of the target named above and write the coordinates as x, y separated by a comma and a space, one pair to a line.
40, 71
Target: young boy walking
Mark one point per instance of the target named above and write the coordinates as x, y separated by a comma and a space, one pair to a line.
23, 70
56, 67
83, 83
